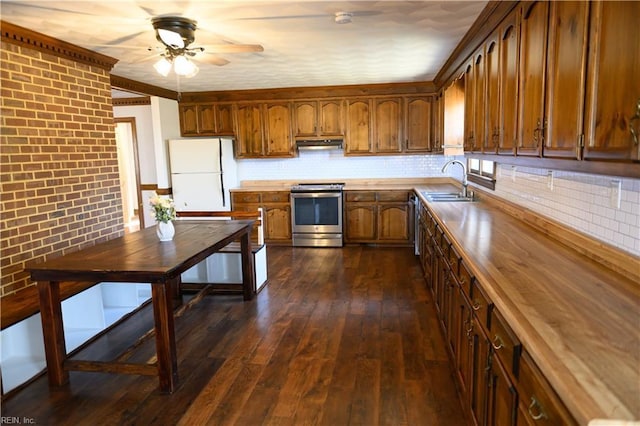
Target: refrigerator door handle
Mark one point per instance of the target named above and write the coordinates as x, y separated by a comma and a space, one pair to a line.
224, 198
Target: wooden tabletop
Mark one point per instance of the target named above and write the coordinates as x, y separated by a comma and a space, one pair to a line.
140, 256
579, 320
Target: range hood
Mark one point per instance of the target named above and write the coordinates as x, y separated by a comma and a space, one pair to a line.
317, 144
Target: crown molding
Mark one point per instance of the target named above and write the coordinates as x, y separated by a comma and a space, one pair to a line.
17, 35
140, 100
129, 85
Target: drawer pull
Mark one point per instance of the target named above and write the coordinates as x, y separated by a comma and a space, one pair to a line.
476, 306
540, 413
497, 343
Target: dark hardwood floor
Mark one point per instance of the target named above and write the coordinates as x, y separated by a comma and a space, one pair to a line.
338, 337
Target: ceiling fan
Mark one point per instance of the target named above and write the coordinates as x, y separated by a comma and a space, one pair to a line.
176, 33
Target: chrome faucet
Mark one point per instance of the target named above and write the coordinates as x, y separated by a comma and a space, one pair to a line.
465, 192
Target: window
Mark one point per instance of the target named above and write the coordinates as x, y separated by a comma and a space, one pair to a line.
482, 172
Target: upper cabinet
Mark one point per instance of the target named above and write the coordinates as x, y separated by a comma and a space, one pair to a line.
533, 53
264, 130
206, 119
509, 43
565, 78
318, 119
492, 94
358, 127
612, 122
387, 128
418, 124
552, 76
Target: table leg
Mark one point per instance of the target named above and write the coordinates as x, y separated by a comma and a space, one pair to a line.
53, 331
162, 296
248, 273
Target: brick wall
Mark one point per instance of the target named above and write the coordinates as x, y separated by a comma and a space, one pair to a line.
59, 168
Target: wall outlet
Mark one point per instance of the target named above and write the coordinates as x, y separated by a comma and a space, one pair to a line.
550, 180
514, 171
615, 193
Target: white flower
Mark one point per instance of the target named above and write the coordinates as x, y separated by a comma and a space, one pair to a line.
163, 208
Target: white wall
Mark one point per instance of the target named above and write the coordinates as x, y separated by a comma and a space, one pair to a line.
144, 130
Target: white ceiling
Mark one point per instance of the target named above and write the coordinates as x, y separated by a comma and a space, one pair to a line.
387, 42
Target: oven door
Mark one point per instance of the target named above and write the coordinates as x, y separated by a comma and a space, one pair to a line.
316, 212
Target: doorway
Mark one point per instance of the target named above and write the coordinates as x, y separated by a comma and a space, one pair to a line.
128, 166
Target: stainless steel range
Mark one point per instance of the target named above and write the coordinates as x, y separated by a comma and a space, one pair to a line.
316, 214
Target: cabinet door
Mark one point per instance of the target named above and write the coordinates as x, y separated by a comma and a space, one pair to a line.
249, 130
331, 118
479, 378
224, 119
305, 116
464, 361
533, 54
566, 62
418, 124
188, 120
612, 126
509, 42
279, 142
387, 125
393, 223
480, 117
493, 94
469, 107
360, 222
358, 127
502, 398
437, 123
206, 119
277, 226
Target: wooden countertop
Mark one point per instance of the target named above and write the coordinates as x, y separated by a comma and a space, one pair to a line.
350, 184
579, 320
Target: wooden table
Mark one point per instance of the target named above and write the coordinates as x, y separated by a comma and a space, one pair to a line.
138, 258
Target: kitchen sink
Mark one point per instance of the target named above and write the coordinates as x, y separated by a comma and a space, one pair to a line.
445, 197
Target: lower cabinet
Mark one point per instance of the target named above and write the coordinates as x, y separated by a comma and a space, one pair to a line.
378, 217
497, 380
277, 212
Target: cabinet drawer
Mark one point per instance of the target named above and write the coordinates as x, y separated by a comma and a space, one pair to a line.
454, 261
505, 343
444, 245
275, 197
480, 304
245, 197
465, 278
393, 196
359, 196
539, 404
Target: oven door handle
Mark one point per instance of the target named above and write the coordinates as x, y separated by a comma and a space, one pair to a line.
316, 194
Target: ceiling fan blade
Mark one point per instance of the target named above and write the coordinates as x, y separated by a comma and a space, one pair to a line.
47, 8
270, 18
117, 42
233, 48
212, 59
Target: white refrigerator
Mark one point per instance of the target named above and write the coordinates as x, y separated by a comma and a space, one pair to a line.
202, 172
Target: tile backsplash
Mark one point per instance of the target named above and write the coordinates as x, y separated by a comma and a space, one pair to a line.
604, 207
334, 165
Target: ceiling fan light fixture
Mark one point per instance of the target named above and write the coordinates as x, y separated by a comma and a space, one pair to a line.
174, 31
169, 38
184, 67
343, 17
163, 66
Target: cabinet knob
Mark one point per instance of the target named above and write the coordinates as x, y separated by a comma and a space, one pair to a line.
635, 117
497, 343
